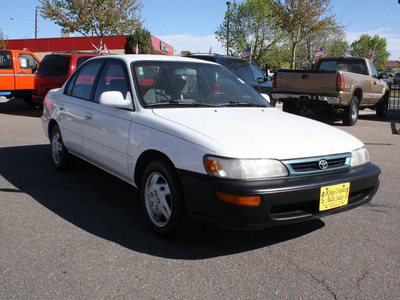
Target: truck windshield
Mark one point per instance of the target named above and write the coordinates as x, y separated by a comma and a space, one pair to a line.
192, 84
348, 65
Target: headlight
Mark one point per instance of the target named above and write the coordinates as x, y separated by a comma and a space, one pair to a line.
244, 168
359, 156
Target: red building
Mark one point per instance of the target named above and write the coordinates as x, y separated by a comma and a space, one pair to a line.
115, 44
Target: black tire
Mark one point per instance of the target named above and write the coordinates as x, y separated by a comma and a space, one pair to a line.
351, 112
290, 107
162, 199
28, 100
59, 154
382, 108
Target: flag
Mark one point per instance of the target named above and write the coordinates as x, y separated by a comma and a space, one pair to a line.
136, 49
371, 53
246, 53
320, 52
106, 50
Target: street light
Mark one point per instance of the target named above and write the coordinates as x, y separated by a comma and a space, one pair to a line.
227, 35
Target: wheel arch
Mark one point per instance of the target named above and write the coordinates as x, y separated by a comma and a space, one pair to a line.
358, 92
52, 123
144, 160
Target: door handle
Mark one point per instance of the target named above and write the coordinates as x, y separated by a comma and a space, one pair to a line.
88, 116
61, 107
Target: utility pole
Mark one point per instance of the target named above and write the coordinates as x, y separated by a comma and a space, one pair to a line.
227, 35
36, 29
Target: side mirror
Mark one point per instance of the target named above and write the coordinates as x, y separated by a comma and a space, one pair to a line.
116, 99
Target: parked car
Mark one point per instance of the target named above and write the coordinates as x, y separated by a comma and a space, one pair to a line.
198, 143
17, 69
248, 71
342, 84
396, 78
54, 70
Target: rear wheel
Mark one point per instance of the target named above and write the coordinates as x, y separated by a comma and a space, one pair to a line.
350, 115
59, 154
162, 199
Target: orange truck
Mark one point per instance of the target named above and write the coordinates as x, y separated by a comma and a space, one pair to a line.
17, 71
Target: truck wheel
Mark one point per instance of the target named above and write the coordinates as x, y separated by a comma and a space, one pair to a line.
162, 199
28, 100
351, 112
290, 108
382, 108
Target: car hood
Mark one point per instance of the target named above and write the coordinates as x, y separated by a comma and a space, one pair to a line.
258, 132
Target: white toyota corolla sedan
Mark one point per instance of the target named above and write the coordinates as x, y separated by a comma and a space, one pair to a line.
200, 144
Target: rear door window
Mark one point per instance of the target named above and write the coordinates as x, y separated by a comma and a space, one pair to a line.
5, 60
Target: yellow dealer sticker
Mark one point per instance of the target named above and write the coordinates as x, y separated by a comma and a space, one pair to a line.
334, 196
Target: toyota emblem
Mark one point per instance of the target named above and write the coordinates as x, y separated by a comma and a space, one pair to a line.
323, 164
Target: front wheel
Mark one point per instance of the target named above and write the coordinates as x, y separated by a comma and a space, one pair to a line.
382, 108
350, 116
162, 199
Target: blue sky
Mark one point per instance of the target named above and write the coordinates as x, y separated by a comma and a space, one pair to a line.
190, 25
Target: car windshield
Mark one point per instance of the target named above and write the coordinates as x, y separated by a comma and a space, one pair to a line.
172, 84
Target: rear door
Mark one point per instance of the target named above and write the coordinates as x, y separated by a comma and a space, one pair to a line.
77, 98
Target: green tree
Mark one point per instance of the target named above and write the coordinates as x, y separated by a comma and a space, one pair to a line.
363, 46
3, 42
141, 38
300, 18
94, 17
333, 42
251, 23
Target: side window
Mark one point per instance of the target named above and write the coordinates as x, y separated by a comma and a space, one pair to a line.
81, 60
257, 72
373, 70
27, 61
112, 78
82, 83
5, 60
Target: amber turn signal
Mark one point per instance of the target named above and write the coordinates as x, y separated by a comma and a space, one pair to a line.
239, 200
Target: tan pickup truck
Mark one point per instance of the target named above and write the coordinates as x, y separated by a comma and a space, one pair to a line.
340, 84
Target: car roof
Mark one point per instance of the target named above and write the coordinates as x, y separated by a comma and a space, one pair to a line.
128, 58
65, 53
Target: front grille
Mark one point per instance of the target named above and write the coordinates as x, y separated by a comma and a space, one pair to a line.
312, 165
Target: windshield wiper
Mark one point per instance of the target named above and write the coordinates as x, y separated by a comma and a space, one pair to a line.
242, 104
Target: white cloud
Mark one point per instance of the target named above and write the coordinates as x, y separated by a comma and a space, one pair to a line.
195, 44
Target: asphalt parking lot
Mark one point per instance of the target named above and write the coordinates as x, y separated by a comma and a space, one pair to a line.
80, 234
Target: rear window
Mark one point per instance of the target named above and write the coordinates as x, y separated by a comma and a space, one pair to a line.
54, 65
5, 59
348, 65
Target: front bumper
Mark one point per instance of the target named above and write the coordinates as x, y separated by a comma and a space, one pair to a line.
284, 201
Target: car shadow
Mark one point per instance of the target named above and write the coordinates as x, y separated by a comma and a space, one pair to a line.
18, 107
107, 207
